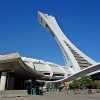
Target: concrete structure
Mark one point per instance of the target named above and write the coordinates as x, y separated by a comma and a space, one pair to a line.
17, 72
76, 62
50, 71
21, 72
72, 55
3, 80
14, 72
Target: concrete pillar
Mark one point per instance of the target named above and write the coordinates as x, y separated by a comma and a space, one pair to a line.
3, 80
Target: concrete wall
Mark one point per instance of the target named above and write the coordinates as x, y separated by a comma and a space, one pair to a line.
13, 93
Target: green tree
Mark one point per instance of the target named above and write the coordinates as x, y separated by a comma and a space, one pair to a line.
75, 84
96, 84
86, 82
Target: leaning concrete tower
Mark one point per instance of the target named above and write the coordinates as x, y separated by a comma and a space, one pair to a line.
73, 57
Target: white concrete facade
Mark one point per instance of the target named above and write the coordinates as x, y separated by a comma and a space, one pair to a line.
49, 70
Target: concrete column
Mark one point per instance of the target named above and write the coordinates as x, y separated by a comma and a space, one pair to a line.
3, 80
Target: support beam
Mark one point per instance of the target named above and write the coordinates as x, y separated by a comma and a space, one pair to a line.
3, 80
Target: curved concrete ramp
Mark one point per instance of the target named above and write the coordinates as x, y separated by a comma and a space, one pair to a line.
87, 71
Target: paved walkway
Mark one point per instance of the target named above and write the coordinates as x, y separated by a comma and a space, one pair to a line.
59, 96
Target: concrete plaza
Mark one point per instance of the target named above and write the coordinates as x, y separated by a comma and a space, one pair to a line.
59, 96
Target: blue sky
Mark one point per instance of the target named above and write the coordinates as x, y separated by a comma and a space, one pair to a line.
21, 32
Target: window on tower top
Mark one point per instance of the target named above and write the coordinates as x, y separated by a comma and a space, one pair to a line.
49, 29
